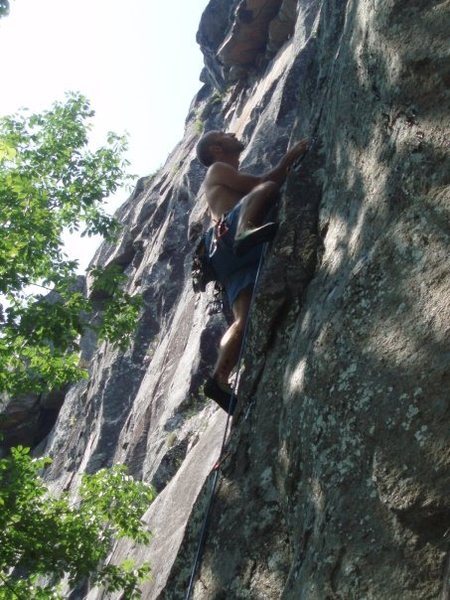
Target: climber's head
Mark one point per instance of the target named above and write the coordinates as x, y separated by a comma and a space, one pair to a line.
216, 146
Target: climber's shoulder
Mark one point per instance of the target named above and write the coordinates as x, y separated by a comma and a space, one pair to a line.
219, 171
223, 174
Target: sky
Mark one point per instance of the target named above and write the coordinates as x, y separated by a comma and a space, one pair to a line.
137, 62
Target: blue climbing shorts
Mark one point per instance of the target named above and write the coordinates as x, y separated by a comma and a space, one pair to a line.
234, 273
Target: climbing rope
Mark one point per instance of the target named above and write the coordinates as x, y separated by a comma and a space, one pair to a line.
233, 392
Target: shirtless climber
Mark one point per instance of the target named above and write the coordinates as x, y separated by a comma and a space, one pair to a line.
238, 204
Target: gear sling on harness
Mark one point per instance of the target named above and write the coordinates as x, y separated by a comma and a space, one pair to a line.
202, 270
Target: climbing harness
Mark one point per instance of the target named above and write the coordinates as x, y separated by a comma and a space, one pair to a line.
221, 228
233, 392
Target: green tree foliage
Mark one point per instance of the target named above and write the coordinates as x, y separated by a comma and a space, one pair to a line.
120, 310
45, 539
50, 181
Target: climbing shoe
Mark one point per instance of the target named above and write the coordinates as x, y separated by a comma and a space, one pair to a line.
245, 242
220, 394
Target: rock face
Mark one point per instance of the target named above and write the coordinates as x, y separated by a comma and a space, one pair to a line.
335, 481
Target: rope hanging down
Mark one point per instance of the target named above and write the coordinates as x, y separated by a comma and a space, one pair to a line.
233, 392
216, 467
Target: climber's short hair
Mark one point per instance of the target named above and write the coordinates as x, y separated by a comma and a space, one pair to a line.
203, 148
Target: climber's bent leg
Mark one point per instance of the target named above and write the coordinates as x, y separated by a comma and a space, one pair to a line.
254, 208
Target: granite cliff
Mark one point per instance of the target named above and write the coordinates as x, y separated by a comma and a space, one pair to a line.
335, 483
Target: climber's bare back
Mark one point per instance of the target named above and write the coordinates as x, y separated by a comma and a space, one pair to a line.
220, 198
225, 186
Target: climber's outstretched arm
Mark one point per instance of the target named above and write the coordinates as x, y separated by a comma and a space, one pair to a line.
279, 173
